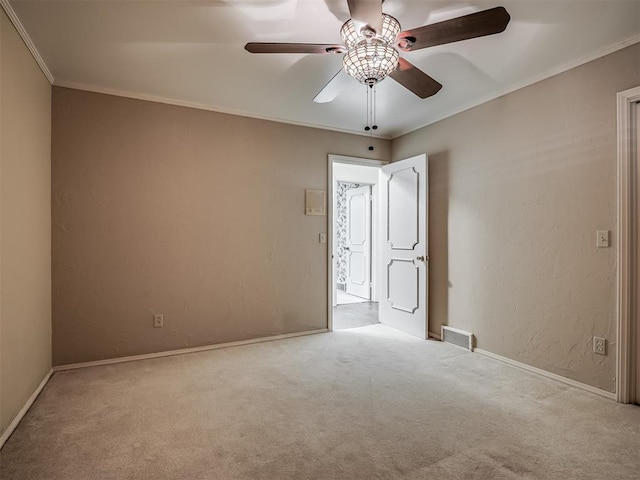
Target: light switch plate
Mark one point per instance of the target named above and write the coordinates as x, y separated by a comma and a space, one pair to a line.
322, 238
602, 238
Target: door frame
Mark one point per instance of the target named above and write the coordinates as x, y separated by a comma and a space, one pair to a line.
331, 159
628, 279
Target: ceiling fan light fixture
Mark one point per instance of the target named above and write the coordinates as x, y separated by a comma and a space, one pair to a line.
372, 40
352, 37
370, 63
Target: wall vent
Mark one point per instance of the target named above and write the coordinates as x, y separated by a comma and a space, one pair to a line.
457, 337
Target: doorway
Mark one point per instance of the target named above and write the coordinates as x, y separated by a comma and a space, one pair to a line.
353, 241
628, 248
353, 196
391, 265
635, 146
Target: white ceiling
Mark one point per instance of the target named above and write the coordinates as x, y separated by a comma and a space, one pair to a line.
192, 52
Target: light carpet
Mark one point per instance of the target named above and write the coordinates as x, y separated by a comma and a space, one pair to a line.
366, 403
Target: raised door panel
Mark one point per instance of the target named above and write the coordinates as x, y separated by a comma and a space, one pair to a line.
402, 209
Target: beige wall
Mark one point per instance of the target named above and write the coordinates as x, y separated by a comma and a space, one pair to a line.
25, 224
518, 188
193, 214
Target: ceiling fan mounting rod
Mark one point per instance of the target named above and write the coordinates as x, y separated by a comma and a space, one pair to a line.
368, 33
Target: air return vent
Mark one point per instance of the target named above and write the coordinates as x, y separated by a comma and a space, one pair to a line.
457, 337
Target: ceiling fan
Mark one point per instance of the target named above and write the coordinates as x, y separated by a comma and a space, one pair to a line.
372, 41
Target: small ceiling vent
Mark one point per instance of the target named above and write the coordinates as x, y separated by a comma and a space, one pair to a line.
457, 337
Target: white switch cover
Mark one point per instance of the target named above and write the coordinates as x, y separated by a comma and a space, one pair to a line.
322, 238
602, 240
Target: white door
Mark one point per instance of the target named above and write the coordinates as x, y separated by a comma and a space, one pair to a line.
403, 259
359, 242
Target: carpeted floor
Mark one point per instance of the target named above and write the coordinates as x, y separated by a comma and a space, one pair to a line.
365, 403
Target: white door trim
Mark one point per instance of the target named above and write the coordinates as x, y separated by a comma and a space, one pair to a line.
331, 159
627, 247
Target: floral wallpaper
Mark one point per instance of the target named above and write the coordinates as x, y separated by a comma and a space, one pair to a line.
341, 230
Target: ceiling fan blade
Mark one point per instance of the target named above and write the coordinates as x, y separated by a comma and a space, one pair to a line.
331, 90
366, 12
479, 24
321, 48
415, 80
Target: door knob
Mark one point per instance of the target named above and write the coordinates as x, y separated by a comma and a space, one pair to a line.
422, 258
347, 248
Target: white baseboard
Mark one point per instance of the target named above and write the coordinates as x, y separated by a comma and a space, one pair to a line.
435, 336
544, 373
25, 408
182, 351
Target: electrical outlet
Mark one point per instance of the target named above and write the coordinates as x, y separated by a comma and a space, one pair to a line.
602, 238
600, 345
158, 320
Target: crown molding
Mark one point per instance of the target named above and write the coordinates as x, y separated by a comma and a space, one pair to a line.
6, 6
202, 106
531, 81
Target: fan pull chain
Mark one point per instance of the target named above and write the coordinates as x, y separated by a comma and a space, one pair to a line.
371, 112
367, 128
